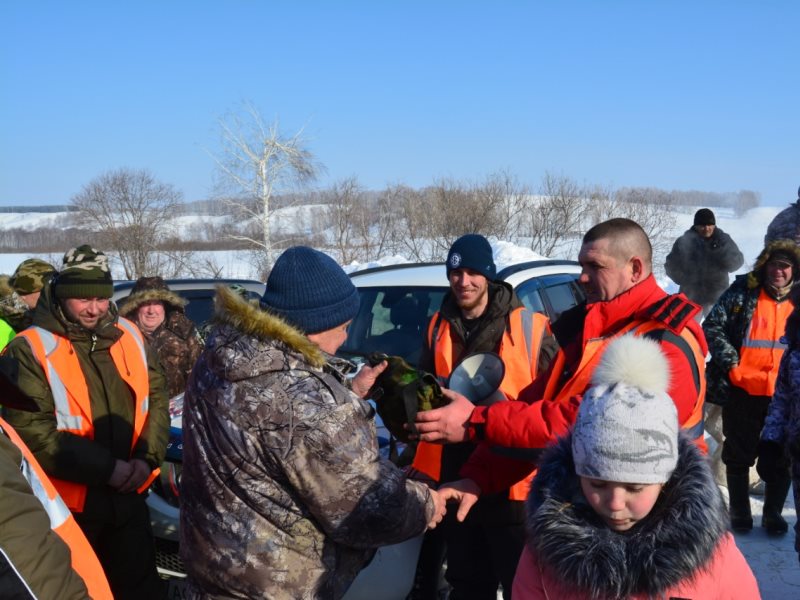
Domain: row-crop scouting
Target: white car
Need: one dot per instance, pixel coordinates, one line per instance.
(397, 302)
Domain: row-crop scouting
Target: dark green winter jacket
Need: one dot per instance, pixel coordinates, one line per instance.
(71, 457)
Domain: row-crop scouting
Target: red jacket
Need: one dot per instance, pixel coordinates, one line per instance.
(534, 423)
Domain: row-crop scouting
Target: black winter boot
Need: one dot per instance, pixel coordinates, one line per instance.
(775, 494)
(739, 495)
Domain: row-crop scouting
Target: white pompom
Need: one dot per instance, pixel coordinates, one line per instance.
(636, 361)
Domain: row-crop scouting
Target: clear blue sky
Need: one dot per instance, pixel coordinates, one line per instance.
(671, 94)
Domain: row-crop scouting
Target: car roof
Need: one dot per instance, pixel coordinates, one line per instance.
(123, 288)
(434, 274)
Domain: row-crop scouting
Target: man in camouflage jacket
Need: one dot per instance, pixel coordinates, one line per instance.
(173, 336)
(283, 493)
(786, 224)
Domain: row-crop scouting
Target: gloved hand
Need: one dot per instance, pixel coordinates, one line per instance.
(772, 463)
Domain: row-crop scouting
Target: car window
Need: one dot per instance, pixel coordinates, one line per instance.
(392, 320)
(529, 295)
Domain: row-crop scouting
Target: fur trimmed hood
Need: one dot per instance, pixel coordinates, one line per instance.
(171, 300)
(756, 277)
(250, 319)
(676, 541)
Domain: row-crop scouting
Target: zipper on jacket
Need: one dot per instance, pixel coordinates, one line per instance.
(94, 342)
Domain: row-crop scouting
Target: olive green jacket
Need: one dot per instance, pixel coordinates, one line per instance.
(75, 458)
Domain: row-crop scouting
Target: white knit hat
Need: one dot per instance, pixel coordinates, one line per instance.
(627, 425)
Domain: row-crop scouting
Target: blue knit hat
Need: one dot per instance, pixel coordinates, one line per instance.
(310, 291)
(472, 251)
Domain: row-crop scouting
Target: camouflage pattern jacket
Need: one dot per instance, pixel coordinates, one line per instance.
(177, 345)
(283, 492)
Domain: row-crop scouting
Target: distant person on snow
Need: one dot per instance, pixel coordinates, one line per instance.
(786, 224)
(701, 259)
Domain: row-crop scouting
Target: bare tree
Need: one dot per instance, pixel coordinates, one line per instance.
(129, 212)
(256, 162)
(346, 211)
(557, 215)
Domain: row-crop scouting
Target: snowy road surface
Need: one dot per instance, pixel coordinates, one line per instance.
(772, 559)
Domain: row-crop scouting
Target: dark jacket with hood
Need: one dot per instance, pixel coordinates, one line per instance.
(284, 493)
(682, 549)
(700, 266)
(71, 457)
(175, 342)
(485, 337)
(728, 322)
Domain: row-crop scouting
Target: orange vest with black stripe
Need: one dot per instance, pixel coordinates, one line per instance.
(580, 380)
(84, 560)
(519, 350)
(61, 367)
(762, 349)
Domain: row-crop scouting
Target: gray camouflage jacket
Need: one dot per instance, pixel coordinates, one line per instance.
(283, 492)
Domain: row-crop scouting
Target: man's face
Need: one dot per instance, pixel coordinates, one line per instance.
(87, 312)
(705, 231)
(150, 315)
(602, 276)
(330, 340)
(470, 290)
(30, 299)
(779, 272)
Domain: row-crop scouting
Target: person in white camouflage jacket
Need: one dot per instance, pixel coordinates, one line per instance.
(283, 492)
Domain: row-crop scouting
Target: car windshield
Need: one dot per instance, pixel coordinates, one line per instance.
(392, 320)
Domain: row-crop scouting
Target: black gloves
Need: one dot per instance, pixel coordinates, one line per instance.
(772, 463)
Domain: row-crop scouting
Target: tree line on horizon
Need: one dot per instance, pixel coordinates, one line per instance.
(264, 176)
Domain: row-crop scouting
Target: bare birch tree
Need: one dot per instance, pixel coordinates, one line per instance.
(556, 215)
(130, 213)
(255, 163)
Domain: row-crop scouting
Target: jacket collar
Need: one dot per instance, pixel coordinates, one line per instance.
(574, 545)
(251, 319)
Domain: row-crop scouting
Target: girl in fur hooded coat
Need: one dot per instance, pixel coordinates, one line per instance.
(625, 507)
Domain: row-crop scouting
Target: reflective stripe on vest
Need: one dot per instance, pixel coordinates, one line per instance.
(70, 392)
(524, 328)
(761, 350)
(63, 524)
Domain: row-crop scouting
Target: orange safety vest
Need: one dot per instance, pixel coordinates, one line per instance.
(761, 351)
(61, 366)
(581, 378)
(519, 350)
(84, 560)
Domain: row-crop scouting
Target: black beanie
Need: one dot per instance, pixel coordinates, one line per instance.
(704, 216)
(84, 274)
(310, 291)
(472, 251)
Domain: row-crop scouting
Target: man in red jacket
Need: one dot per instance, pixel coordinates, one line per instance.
(622, 296)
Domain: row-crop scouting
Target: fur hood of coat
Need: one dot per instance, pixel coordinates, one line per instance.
(171, 300)
(252, 320)
(756, 277)
(676, 540)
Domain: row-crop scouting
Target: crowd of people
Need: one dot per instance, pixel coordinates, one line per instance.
(591, 481)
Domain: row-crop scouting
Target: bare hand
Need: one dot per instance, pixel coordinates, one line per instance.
(440, 509)
(446, 424)
(366, 378)
(465, 491)
(122, 471)
(140, 471)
